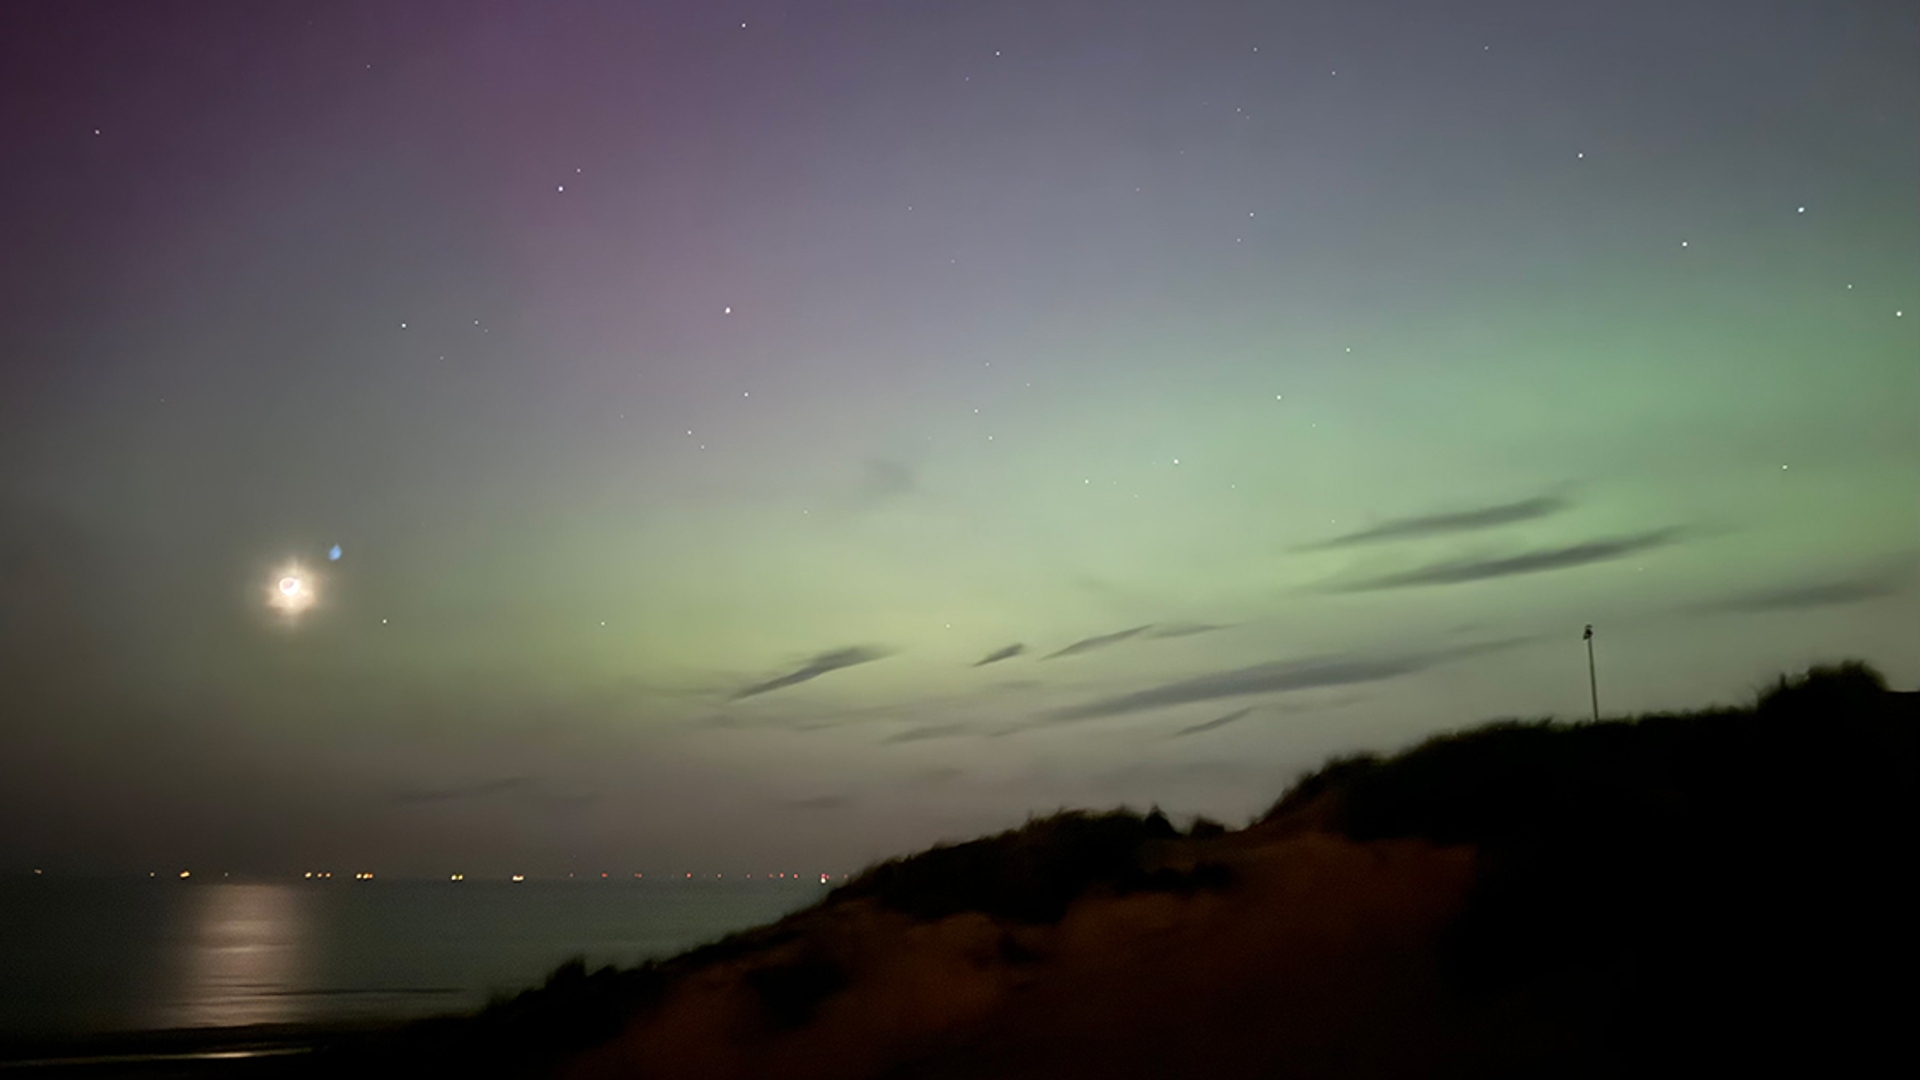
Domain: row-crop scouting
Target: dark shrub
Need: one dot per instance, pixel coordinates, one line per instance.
(790, 992)
(1029, 874)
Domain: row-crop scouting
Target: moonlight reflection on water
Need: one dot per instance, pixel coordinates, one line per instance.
(243, 958)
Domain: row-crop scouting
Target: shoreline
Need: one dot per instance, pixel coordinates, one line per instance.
(252, 1048)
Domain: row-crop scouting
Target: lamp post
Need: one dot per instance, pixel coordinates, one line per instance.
(1593, 681)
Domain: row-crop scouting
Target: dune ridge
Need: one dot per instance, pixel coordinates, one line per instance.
(1688, 892)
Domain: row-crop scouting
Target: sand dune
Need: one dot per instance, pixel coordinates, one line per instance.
(1697, 893)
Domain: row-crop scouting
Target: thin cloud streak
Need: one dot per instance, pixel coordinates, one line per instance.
(478, 790)
(1007, 653)
(1463, 571)
(1802, 597)
(1485, 517)
(1275, 677)
(820, 665)
(1180, 630)
(930, 731)
(1086, 645)
(1213, 724)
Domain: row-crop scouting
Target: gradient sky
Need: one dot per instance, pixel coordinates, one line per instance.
(771, 436)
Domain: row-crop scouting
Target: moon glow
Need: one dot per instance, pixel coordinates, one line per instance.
(291, 592)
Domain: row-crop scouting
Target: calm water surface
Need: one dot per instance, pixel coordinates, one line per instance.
(80, 957)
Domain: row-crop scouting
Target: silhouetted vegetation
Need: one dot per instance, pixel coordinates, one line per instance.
(1707, 892)
(1204, 828)
(790, 992)
(1028, 874)
(1696, 879)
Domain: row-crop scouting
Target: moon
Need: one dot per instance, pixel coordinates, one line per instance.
(291, 591)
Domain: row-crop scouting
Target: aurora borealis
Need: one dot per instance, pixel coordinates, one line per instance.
(794, 433)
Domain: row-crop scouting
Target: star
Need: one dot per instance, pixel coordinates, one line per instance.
(1683, 243)
(726, 311)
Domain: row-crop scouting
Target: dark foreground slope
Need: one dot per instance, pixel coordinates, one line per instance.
(1701, 893)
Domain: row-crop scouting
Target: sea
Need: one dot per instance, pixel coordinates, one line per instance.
(86, 957)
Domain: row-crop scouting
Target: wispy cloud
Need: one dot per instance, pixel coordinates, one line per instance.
(883, 480)
(522, 789)
(1800, 597)
(1461, 571)
(1457, 521)
(477, 790)
(820, 665)
(1217, 722)
(1176, 630)
(997, 655)
(929, 731)
(1086, 645)
(1277, 676)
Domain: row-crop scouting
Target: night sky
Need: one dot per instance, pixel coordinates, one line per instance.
(771, 436)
